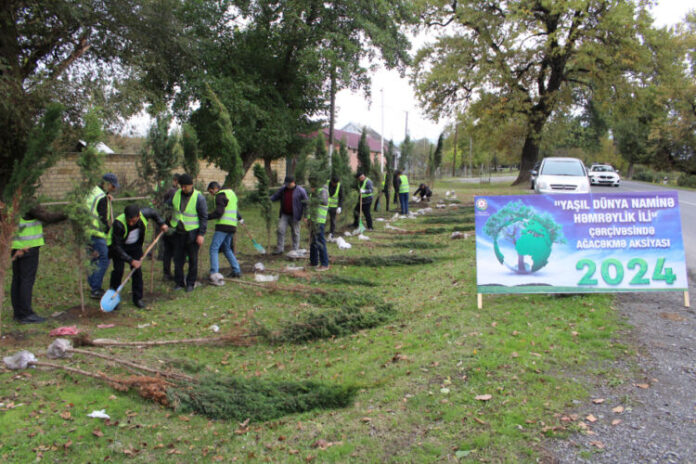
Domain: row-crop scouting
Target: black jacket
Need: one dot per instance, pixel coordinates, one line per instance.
(117, 250)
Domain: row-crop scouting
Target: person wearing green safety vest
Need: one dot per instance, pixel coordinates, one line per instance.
(319, 198)
(364, 201)
(335, 202)
(401, 186)
(226, 216)
(98, 203)
(190, 222)
(25, 261)
(125, 240)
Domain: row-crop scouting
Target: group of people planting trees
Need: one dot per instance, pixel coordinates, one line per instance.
(183, 224)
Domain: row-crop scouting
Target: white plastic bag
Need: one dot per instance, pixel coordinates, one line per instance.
(294, 268)
(265, 278)
(259, 267)
(100, 414)
(342, 244)
(296, 254)
(20, 360)
(363, 237)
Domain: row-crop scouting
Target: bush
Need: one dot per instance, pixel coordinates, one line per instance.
(644, 175)
(687, 180)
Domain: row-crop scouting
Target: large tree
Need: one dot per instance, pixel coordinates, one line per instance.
(526, 55)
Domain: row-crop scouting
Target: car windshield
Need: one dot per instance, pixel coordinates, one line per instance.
(603, 168)
(562, 168)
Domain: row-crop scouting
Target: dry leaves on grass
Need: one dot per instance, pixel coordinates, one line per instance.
(323, 444)
(590, 418)
(598, 400)
(597, 444)
(643, 386)
(485, 397)
(618, 409)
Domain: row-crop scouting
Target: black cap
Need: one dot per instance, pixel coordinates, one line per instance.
(185, 179)
(176, 177)
(334, 178)
(359, 174)
(213, 185)
(132, 211)
(289, 179)
(111, 178)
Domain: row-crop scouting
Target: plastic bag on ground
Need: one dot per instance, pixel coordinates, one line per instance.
(395, 217)
(20, 360)
(69, 330)
(347, 233)
(457, 235)
(342, 244)
(380, 219)
(265, 278)
(363, 237)
(294, 268)
(100, 414)
(440, 206)
(301, 253)
(217, 279)
(394, 228)
(59, 349)
(259, 267)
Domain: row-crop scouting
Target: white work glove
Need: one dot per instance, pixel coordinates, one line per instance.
(338, 210)
(363, 191)
(241, 221)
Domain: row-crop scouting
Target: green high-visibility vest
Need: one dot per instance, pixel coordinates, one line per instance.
(320, 215)
(30, 234)
(122, 220)
(96, 228)
(384, 181)
(229, 216)
(403, 187)
(362, 187)
(189, 217)
(333, 199)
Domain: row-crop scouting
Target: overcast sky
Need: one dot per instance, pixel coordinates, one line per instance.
(399, 99)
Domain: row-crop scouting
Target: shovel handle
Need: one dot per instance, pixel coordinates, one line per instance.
(130, 274)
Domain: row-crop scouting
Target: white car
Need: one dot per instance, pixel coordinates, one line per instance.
(562, 175)
(604, 174)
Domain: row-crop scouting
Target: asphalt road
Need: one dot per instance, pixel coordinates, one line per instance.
(687, 208)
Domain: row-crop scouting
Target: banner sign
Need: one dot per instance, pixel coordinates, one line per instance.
(573, 243)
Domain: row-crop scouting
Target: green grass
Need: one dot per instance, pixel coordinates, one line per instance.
(418, 372)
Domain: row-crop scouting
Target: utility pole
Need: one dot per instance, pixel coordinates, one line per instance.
(454, 159)
(381, 143)
(332, 109)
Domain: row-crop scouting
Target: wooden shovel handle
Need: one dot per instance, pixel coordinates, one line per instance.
(130, 274)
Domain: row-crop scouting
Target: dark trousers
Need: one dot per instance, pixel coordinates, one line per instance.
(317, 248)
(23, 278)
(136, 280)
(366, 206)
(332, 220)
(185, 248)
(168, 243)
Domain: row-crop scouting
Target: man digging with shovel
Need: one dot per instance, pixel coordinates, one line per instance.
(125, 241)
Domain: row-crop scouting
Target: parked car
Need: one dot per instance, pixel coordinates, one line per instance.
(562, 175)
(604, 174)
(533, 173)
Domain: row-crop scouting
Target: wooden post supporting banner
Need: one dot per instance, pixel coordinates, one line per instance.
(479, 298)
(686, 300)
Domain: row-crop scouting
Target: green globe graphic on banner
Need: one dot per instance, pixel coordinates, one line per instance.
(522, 238)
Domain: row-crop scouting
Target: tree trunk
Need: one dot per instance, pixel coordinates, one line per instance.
(530, 150)
(332, 109)
(269, 171)
(454, 157)
(629, 172)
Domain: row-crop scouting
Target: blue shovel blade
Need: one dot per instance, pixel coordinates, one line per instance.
(109, 300)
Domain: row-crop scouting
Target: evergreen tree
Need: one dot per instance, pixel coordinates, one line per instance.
(160, 155)
(189, 142)
(406, 152)
(437, 156)
(364, 162)
(216, 138)
(24, 179)
(320, 152)
(301, 167)
(263, 198)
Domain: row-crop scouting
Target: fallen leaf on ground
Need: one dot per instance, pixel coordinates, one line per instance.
(365, 419)
(97, 433)
(618, 409)
(616, 422)
(672, 317)
(590, 418)
(644, 386)
(597, 444)
(66, 415)
(598, 400)
(485, 397)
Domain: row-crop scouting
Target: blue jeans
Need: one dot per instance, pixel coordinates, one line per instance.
(317, 249)
(100, 264)
(222, 241)
(403, 199)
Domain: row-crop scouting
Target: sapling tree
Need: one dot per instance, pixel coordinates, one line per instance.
(364, 162)
(90, 162)
(23, 181)
(189, 144)
(158, 158)
(320, 153)
(264, 200)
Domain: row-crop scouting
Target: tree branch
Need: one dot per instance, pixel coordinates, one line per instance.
(80, 49)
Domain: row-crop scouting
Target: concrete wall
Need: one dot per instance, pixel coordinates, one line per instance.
(61, 178)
